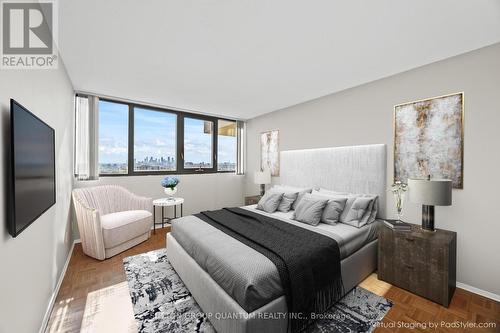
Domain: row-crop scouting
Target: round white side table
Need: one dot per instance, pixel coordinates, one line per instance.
(166, 202)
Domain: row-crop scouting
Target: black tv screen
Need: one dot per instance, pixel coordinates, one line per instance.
(33, 181)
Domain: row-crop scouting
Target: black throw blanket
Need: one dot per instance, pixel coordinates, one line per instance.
(308, 263)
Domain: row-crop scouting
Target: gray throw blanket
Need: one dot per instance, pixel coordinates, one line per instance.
(308, 263)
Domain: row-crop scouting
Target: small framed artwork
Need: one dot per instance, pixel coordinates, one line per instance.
(429, 139)
(269, 152)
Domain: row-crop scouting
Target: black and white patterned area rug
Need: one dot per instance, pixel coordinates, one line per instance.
(162, 303)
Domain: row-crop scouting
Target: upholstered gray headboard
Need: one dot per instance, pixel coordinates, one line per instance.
(355, 169)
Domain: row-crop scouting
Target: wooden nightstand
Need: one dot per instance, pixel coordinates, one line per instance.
(252, 200)
(419, 261)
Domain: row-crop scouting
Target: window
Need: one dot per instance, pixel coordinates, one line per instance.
(198, 143)
(155, 140)
(113, 138)
(125, 138)
(226, 145)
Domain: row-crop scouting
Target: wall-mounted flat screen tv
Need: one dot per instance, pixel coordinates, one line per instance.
(32, 168)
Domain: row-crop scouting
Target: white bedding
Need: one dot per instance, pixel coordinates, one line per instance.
(350, 238)
(249, 277)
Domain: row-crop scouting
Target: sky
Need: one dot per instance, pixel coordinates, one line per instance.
(197, 145)
(155, 135)
(113, 129)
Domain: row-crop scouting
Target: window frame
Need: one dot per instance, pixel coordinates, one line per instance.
(131, 136)
(128, 143)
(213, 169)
(217, 147)
(180, 141)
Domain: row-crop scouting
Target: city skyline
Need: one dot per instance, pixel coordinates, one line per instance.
(151, 163)
(155, 138)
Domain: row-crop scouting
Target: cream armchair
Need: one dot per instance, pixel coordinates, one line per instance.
(111, 219)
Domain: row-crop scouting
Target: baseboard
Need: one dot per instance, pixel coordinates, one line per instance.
(478, 291)
(56, 290)
(78, 240)
(167, 225)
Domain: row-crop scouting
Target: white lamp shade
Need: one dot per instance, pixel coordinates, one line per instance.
(434, 192)
(262, 177)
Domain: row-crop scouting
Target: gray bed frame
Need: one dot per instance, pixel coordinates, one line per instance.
(355, 169)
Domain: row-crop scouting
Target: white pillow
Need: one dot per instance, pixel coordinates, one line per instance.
(330, 192)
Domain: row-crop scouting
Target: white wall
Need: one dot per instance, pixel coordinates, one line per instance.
(364, 115)
(201, 192)
(32, 262)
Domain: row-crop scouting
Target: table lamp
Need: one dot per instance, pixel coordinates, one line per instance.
(430, 192)
(262, 178)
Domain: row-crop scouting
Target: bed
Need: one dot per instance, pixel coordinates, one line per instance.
(238, 287)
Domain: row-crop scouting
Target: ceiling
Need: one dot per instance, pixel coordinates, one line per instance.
(242, 59)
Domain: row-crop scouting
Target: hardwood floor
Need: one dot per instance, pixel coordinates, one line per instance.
(409, 313)
(416, 314)
(86, 274)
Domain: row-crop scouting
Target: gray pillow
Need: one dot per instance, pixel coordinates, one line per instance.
(301, 192)
(358, 206)
(310, 209)
(333, 209)
(369, 207)
(372, 211)
(270, 201)
(287, 201)
(348, 205)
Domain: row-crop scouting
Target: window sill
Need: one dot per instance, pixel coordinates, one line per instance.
(166, 173)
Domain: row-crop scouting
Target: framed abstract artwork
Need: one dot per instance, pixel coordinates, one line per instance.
(269, 152)
(429, 139)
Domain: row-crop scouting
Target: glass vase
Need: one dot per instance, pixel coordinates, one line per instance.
(399, 206)
(170, 192)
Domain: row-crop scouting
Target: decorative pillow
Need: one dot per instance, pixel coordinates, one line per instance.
(333, 209)
(348, 205)
(310, 209)
(371, 212)
(287, 201)
(360, 210)
(369, 207)
(301, 192)
(356, 211)
(270, 201)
